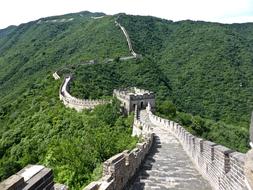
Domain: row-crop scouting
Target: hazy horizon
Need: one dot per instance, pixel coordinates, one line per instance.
(222, 11)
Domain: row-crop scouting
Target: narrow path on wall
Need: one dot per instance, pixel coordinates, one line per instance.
(167, 166)
(127, 38)
(107, 60)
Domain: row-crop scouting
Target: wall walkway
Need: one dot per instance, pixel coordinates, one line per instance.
(222, 167)
(119, 170)
(167, 166)
(128, 39)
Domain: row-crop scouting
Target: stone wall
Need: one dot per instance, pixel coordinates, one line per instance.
(121, 168)
(222, 167)
(128, 40)
(133, 97)
(72, 102)
(29, 178)
(140, 128)
(56, 76)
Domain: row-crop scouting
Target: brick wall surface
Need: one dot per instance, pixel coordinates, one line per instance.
(72, 102)
(120, 169)
(222, 167)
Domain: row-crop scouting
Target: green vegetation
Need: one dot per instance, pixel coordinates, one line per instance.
(209, 65)
(35, 127)
(42, 130)
(237, 138)
(30, 50)
(202, 74)
(101, 79)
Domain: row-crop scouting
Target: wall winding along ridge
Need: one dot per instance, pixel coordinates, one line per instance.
(128, 40)
(222, 167)
(121, 168)
(72, 102)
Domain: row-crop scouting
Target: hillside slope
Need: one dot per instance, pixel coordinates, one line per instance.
(209, 65)
(35, 126)
(30, 50)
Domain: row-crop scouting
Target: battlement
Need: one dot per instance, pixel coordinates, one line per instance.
(31, 177)
(133, 93)
(121, 168)
(132, 97)
(73, 102)
(221, 166)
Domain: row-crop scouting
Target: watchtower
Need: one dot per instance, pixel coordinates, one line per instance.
(131, 97)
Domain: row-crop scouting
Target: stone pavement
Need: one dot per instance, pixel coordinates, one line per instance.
(167, 167)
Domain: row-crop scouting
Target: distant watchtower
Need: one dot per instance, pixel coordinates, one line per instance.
(132, 97)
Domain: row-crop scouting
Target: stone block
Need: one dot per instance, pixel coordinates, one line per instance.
(40, 181)
(15, 182)
(238, 157)
(58, 186)
(222, 156)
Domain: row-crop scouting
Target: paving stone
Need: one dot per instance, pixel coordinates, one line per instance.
(167, 166)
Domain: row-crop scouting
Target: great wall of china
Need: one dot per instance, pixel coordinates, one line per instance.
(73, 102)
(222, 167)
(168, 157)
(131, 50)
(80, 104)
(121, 168)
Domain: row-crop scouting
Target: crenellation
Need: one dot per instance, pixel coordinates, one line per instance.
(31, 177)
(189, 141)
(12, 183)
(223, 155)
(73, 102)
(120, 169)
(132, 97)
(209, 148)
(221, 166)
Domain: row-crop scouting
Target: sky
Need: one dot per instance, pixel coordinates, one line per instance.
(15, 12)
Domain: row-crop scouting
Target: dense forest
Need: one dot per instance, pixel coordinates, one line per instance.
(101, 79)
(37, 128)
(201, 73)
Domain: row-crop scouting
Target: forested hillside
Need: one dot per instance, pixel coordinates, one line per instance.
(35, 126)
(202, 74)
(209, 65)
(31, 49)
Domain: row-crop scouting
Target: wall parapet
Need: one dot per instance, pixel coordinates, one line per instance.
(73, 102)
(121, 168)
(32, 177)
(131, 97)
(136, 94)
(221, 166)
